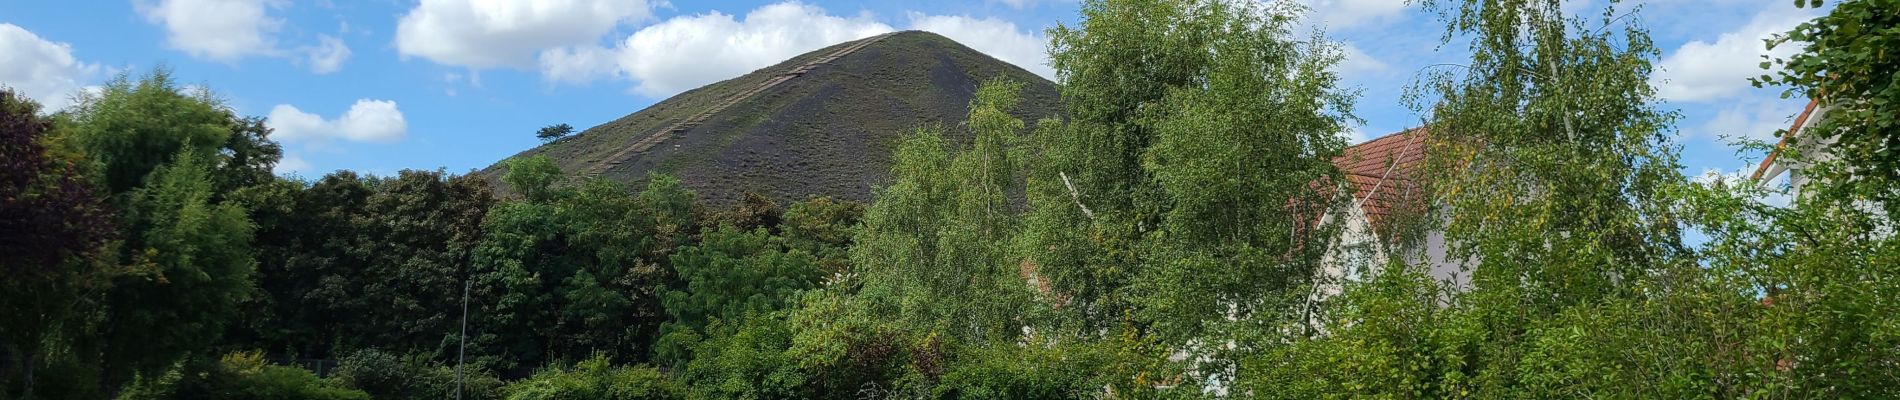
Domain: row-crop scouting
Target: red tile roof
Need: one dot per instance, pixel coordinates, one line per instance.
(1384, 173)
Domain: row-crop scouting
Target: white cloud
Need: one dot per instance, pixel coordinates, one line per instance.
(1024, 4)
(1357, 135)
(689, 51)
(1357, 62)
(1343, 14)
(292, 164)
(1701, 71)
(686, 52)
(579, 64)
(221, 30)
(39, 69)
(366, 121)
(1754, 118)
(328, 55)
(992, 36)
(507, 33)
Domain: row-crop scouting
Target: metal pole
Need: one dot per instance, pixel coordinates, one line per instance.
(462, 353)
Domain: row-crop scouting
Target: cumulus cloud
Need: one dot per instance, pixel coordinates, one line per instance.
(689, 51)
(507, 33)
(328, 55)
(580, 64)
(221, 30)
(230, 30)
(1357, 135)
(1755, 119)
(998, 38)
(1702, 71)
(377, 121)
(292, 164)
(42, 70)
(1356, 62)
(686, 52)
(1343, 14)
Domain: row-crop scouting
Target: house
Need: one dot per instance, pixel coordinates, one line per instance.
(1384, 177)
(1776, 163)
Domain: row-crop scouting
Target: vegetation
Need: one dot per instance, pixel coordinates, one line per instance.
(1153, 243)
(1846, 62)
(553, 132)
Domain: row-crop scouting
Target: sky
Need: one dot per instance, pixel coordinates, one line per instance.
(379, 86)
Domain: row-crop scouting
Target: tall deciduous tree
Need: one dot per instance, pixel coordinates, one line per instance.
(132, 127)
(163, 158)
(52, 230)
(934, 250)
(1848, 62)
(1553, 178)
(1174, 203)
(574, 270)
(190, 266)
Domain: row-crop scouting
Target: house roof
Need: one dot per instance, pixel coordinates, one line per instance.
(1383, 173)
(1769, 162)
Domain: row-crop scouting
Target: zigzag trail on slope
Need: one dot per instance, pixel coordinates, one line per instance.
(641, 146)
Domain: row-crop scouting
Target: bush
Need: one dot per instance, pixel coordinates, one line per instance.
(596, 379)
(237, 376)
(388, 376)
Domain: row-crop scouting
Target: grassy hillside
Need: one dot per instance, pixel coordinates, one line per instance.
(828, 131)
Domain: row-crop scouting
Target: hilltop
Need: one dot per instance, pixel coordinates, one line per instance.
(823, 123)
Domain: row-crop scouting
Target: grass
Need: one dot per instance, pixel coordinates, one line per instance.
(828, 132)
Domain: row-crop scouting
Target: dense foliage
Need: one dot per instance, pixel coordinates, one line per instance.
(1848, 63)
(1170, 236)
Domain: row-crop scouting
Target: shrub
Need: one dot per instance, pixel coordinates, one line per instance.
(388, 376)
(595, 378)
(237, 376)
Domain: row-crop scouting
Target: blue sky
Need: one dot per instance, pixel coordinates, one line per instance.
(384, 85)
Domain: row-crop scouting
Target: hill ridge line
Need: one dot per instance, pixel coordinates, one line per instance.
(641, 146)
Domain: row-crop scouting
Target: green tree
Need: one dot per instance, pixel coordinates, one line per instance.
(53, 230)
(553, 132)
(311, 257)
(1160, 208)
(823, 226)
(934, 250)
(185, 264)
(132, 127)
(1553, 178)
(730, 275)
(574, 270)
(189, 265)
(1847, 62)
(247, 156)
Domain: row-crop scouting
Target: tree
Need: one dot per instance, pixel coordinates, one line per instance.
(934, 250)
(1848, 64)
(1554, 181)
(823, 226)
(731, 275)
(571, 271)
(1160, 208)
(312, 260)
(190, 265)
(185, 264)
(132, 127)
(52, 231)
(553, 132)
(247, 156)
